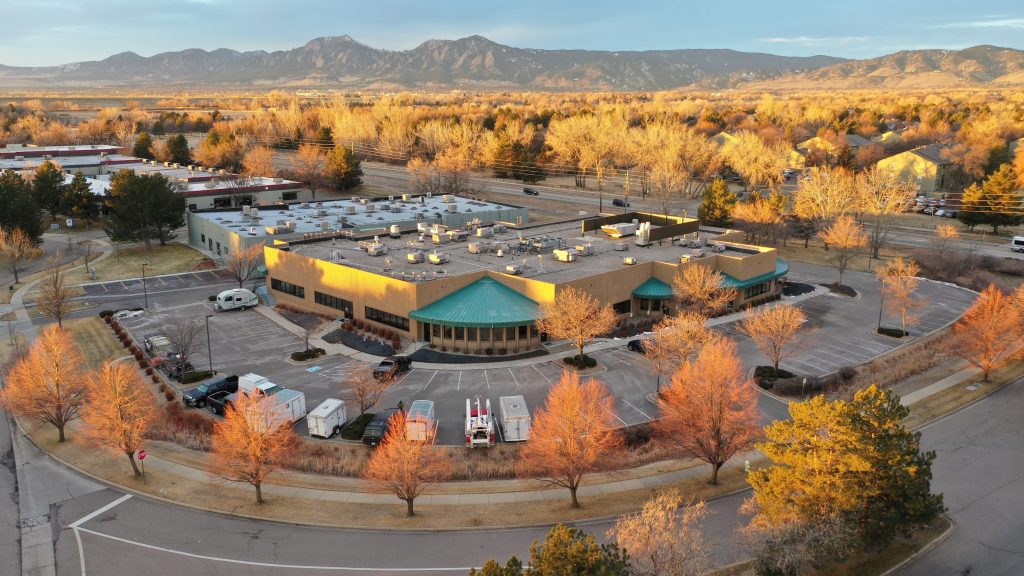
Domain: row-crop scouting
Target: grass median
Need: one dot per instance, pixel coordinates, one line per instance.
(127, 263)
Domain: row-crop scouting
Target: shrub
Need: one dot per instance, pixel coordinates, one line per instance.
(163, 387)
(489, 351)
(444, 349)
(195, 376)
(212, 297)
(847, 373)
(893, 332)
(591, 362)
(769, 373)
(502, 351)
(156, 379)
(169, 395)
(149, 370)
(570, 360)
(143, 363)
(303, 355)
(106, 315)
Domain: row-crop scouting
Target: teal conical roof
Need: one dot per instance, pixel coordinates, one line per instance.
(483, 303)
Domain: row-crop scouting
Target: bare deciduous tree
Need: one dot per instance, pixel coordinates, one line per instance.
(710, 410)
(881, 195)
(676, 339)
(241, 264)
(183, 334)
(983, 335)
(365, 389)
(945, 237)
(701, 289)
(47, 384)
(576, 316)
(405, 466)
(54, 293)
(248, 442)
(664, 537)
(118, 410)
(16, 248)
(843, 236)
(88, 251)
(259, 162)
(826, 195)
(899, 280)
(774, 330)
(572, 434)
(308, 166)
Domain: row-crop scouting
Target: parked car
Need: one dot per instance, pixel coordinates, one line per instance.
(1017, 244)
(392, 366)
(375, 431)
(196, 397)
(620, 202)
(530, 191)
(637, 345)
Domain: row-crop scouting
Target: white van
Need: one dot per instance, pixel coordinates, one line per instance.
(236, 298)
(1017, 244)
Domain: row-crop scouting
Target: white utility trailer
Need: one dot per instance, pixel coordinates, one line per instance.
(515, 418)
(327, 419)
(420, 424)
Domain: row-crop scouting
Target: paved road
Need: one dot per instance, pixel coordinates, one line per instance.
(10, 551)
(980, 469)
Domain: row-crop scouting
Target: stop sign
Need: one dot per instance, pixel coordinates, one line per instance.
(141, 455)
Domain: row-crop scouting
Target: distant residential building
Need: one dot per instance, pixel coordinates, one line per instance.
(887, 138)
(925, 164)
(1014, 145)
(826, 145)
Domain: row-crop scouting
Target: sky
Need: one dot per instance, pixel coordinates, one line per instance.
(49, 32)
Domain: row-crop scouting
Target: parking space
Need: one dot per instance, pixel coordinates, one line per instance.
(166, 282)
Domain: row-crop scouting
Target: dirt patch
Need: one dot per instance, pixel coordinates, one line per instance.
(95, 340)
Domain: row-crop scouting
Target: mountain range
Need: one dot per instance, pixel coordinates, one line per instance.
(477, 63)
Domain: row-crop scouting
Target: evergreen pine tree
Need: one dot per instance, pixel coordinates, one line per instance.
(18, 209)
(79, 200)
(177, 146)
(143, 208)
(48, 188)
(143, 146)
(716, 207)
(343, 169)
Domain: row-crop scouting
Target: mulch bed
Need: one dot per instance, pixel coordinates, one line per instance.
(841, 289)
(433, 356)
(356, 342)
(796, 289)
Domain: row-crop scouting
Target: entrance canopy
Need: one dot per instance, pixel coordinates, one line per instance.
(654, 289)
(483, 303)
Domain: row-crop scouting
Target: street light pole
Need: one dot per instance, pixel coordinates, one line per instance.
(209, 349)
(145, 293)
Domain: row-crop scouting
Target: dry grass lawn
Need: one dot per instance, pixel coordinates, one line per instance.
(95, 340)
(127, 263)
(816, 254)
(948, 400)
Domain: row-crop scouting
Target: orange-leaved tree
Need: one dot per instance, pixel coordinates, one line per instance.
(664, 537)
(576, 316)
(701, 289)
(48, 384)
(405, 466)
(774, 330)
(676, 339)
(118, 410)
(843, 237)
(899, 280)
(710, 410)
(987, 334)
(248, 443)
(572, 434)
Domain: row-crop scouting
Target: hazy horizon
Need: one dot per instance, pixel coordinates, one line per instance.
(52, 32)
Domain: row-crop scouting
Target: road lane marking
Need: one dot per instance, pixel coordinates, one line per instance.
(81, 551)
(488, 379)
(630, 404)
(514, 377)
(429, 381)
(85, 519)
(270, 564)
(541, 373)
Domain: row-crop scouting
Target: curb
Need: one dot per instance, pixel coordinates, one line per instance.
(924, 550)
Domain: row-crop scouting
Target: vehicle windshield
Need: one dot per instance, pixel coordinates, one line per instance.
(202, 388)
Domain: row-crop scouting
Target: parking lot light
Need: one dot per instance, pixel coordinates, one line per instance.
(209, 349)
(145, 293)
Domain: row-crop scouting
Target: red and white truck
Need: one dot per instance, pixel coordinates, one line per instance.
(480, 428)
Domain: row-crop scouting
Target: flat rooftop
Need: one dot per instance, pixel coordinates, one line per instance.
(22, 149)
(355, 213)
(65, 162)
(530, 249)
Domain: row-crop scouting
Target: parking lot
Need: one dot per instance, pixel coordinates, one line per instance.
(840, 333)
(164, 283)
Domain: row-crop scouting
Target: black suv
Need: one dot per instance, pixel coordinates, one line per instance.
(378, 427)
(531, 192)
(392, 366)
(197, 396)
(637, 345)
(620, 202)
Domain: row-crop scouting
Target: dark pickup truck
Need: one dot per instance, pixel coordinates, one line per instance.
(378, 427)
(218, 401)
(198, 396)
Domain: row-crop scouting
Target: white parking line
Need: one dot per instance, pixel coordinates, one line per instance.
(630, 404)
(541, 373)
(514, 377)
(85, 519)
(429, 381)
(458, 385)
(487, 378)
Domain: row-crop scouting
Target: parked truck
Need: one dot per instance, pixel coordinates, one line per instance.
(289, 405)
(197, 396)
(420, 424)
(327, 419)
(515, 418)
(479, 424)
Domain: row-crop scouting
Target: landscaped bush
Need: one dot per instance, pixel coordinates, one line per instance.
(212, 297)
(163, 387)
(769, 373)
(149, 370)
(893, 332)
(580, 363)
(502, 351)
(195, 376)
(169, 395)
(156, 379)
(847, 373)
(303, 355)
(143, 363)
(489, 351)
(106, 314)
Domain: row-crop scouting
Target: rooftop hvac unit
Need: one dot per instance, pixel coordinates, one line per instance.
(396, 209)
(453, 208)
(585, 249)
(246, 210)
(254, 212)
(719, 248)
(350, 209)
(176, 165)
(191, 167)
(565, 255)
(395, 231)
(684, 259)
(446, 198)
(377, 250)
(325, 225)
(19, 157)
(514, 269)
(405, 197)
(278, 180)
(422, 227)
(252, 230)
(391, 198)
(629, 260)
(414, 257)
(210, 184)
(698, 253)
(272, 230)
(167, 164)
(103, 154)
(620, 247)
(477, 247)
(500, 228)
(438, 259)
(439, 238)
(428, 196)
(484, 232)
(336, 256)
(362, 200)
(643, 234)
(370, 208)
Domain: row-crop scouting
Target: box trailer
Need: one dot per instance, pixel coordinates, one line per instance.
(420, 424)
(515, 418)
(290, 405)
(327, 419)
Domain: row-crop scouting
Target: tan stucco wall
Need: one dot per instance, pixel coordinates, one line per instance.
(913, 167)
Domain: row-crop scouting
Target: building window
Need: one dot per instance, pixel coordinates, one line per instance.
(758, 289)
(510, 333)
(447, 333)
(623, 307)
(522, 332)
(471, 334)
(287, 288)
(218, 248)
(645, 304)
(222, 202)
(460, 333)
(333, 302)
(203, 238)
(485, 333)
(287, 196)
(387, 318)
(533, 331)
(435, 330)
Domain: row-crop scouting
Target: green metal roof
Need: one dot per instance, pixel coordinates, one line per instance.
(653, 288)
(781, 269)
(483, 303)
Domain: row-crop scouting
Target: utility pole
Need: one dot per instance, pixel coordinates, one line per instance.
(625, 205)
(145, 293)
(209, 349)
